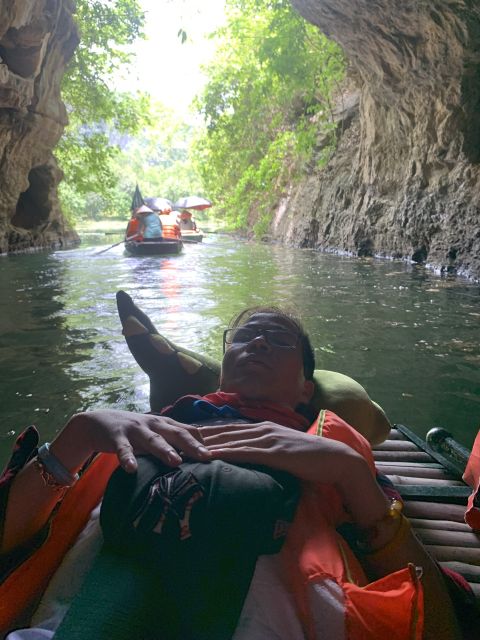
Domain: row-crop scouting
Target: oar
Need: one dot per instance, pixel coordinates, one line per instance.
(115, 245)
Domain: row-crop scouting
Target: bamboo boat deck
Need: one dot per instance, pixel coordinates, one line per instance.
(435, 500)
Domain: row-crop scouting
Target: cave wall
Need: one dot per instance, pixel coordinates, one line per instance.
(37, 39)
(404, 181)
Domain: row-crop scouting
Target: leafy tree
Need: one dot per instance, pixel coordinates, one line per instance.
(85, 152)
(159, 159)
(267, 96)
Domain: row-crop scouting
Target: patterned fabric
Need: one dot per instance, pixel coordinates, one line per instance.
(189, 408)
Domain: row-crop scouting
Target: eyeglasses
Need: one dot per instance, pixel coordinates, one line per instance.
(274, 337)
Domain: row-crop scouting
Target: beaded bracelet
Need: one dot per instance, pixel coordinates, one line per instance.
(53, 472)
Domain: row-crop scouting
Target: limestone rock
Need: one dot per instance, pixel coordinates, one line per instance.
(37, 40)
(405, 178)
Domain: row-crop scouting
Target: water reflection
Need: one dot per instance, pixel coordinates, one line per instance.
(408, 336)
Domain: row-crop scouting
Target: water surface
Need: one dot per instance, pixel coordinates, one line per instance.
(408, 336)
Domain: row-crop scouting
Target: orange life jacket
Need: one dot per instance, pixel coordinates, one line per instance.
(22, 589)
(315, 554)
(132, 228)
(170, 227)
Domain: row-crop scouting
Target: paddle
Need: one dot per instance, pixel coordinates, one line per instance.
(115, 245)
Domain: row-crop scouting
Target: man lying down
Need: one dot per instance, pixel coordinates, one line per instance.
(195, 519)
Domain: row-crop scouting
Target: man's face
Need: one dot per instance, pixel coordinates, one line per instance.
(260, 370)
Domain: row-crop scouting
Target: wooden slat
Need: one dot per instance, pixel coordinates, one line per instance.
(434, 493)
(396, 445)
(434, 510)
(444, 553)
(432, 482)
(402, 456)
(395, 434)
(417, 471)
(439, 525)
(431, 485)
(412, 465)
(470, 572)
(464, 539)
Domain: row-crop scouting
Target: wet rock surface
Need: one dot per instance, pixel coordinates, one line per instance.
(37, 40)
(404, 180)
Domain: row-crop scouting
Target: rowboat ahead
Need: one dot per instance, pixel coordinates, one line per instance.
(160, 247)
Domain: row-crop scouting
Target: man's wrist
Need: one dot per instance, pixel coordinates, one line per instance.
(364, 499)
(383, 531)
(389, 539)
(52, 470)
(71, 446)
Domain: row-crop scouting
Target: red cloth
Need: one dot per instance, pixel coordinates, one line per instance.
(259, 410)
(472, 478)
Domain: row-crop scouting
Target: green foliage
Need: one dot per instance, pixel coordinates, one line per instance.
(268, 96)
(107, 28)
(159, 159)
(86, 151)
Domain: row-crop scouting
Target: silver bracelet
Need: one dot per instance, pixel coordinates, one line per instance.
(54, 468)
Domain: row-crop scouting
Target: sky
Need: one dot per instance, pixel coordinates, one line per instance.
(166, 68)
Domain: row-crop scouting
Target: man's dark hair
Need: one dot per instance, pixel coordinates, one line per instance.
(307, 350)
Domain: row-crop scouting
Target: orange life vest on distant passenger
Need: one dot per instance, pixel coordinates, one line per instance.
(171, 229)
(132, 228)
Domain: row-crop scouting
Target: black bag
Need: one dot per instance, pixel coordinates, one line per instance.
(199, 528)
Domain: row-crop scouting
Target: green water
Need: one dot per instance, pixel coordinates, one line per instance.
(410, 337)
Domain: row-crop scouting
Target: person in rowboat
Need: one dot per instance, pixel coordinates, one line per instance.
(258, 421)
(150, 226)
(186, 221)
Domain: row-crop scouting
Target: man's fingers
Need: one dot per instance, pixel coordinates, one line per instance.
(232, 434)
(220, 429)
(180, 427)
(240, 438)
(159, 447)
(248, 444)
(125, 456)
(179, 438)
(239, 454)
